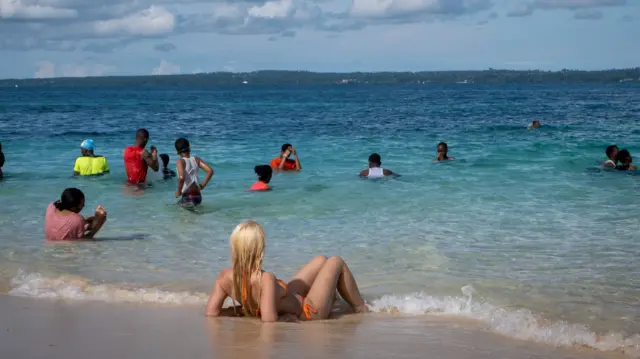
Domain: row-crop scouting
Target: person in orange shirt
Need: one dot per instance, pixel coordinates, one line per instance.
(264, 174)
(284, 163)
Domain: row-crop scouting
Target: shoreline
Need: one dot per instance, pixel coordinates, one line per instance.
(36, 328)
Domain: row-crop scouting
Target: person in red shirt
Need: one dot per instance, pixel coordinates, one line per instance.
(284, 163)
(264, 174)
(137, 159)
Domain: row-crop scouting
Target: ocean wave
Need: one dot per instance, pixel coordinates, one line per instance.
(512, 322)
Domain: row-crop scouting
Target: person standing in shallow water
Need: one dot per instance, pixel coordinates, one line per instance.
(137, 159)
(90, 164)
(375, 170)
(443, 150)
(64, 222)
(284, 163)
(188, 185)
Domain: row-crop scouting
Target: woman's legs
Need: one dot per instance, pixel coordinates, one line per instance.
(334, 274)
(302, 281)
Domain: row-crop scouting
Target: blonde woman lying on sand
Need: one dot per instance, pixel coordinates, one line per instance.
(309, 295)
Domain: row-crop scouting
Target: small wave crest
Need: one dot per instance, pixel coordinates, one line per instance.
(512, 322)
(515, 323)
(35, 285)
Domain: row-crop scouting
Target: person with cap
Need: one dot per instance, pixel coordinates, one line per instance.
(90, 164)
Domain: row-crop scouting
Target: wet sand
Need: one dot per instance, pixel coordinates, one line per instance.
(33, 329)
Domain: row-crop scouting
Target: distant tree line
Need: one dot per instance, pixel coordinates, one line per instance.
(269, 77)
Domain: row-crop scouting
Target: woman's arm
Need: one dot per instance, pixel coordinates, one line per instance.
(268, 300)
(218, 295)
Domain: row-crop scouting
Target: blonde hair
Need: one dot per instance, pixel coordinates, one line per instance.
(247, 253)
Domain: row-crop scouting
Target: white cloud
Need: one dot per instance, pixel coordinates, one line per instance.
(155, 20)
(279, 9)
(373, 9)
(46, 69)
(166, 68)
(576, 4)
(21, 9)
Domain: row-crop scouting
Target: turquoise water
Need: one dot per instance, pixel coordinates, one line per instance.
(523, 231)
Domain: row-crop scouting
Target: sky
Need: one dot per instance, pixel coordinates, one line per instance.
(53, 38)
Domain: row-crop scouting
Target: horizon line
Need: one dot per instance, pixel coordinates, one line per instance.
(490, 69)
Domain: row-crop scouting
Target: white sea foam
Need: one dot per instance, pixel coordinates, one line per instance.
(515, 323)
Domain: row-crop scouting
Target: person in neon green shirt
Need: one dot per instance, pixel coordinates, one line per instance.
(89, 164)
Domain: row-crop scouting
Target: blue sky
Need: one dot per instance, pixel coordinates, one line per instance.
(44, 38)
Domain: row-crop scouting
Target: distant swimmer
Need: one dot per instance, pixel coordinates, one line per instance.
(534, 124)
(166, 172)
(612, 155)
(264, 173)
(188, 186)
(90, 164)
(375, 170)
(284, 163)
(1, 160)
(64, 222)
(137, 159)
(443, 150)
(624, 157)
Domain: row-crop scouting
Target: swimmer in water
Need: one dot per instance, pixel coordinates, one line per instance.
(443, 150)
(284, 163)
(309, 295)
(624, 157)
(1, 160)
(264, 173)
(166, 172)
(612, 155)
(188, 186)
(374, 170)
(534, 124)
(90, 164)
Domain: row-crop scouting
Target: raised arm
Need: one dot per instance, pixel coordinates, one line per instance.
(205, 167)
(295, 156)
(219, 294)
(151, 158)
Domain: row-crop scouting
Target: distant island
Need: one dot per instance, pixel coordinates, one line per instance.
(272, 77)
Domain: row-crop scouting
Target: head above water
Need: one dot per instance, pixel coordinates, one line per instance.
(182, 146)
(248, 242)
(624, 157)
(165, 160)
(264, 173)
(72, 199)
(612, 152)
(535, 124)
(286, 147)
(442, 148)
(142, 137)
(87, 147)
(375, 160)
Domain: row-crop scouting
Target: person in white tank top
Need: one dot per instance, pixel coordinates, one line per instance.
(375, 170)
(612, 155)
(189, 187)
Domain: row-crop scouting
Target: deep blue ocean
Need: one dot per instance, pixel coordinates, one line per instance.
(524, 231)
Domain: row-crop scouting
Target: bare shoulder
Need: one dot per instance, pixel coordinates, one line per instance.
(364, 173)
(268, 279)
(387, 172)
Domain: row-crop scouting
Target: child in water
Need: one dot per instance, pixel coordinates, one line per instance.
(443, 150)
(264, 173)
(166, 172)
(624, 157)
(187, 166)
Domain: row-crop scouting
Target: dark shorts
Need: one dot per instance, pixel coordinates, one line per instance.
(190, 200)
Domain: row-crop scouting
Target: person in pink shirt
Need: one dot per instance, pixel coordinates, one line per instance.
(64, 222)
(264, 174)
